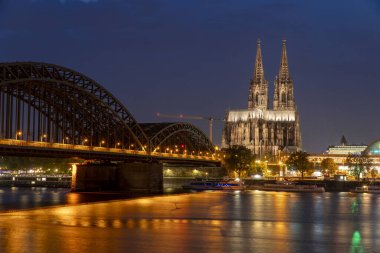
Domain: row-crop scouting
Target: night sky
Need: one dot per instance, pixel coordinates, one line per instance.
(196, 57)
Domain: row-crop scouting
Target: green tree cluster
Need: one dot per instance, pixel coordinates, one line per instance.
(329, 166)
(239, 160)
(359, 164)
(47, 165)
(258, 168)
(299, 161)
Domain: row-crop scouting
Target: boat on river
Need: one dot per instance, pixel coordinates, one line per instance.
(288, 186)
(367, 189)
(215, 184)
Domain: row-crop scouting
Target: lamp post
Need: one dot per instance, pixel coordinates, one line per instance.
(101, 143)
(19, 133)
(43, 136)
(282, 174)
(84, 141)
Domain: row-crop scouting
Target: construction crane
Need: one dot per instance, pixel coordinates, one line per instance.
(182, 116)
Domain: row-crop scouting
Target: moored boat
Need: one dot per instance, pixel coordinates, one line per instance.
(214, 184)
(291, 187)
(366, 189)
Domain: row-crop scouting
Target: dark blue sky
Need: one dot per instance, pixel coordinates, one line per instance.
(196, 57)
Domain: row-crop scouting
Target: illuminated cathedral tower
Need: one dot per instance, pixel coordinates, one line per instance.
(283, 85)
(258, 89)
(267, 132)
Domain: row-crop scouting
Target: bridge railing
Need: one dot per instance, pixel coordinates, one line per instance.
(63, 146)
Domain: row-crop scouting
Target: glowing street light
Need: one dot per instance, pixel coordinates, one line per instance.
(85, 140)
(43, 136)
(101, 143)
(67, 140)
(19, 133)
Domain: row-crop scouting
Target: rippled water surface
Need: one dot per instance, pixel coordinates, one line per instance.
(250, 221)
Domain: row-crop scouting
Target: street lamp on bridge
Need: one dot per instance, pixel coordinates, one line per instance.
(67, 140)
(18, 134)
(85, 140)
(101, 143)
(43, 136)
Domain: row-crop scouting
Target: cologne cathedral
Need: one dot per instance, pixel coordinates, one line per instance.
(267, 132)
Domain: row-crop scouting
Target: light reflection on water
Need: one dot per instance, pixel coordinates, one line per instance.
(15, 198)
(250, 221)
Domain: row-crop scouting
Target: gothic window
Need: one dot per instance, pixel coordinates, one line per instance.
(283, 98)
(260, 134)
(285, 137)
(291, 137)
(275, 135)
(251, 133)
(257, 98)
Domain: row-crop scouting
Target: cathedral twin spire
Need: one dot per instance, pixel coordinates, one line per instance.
(258, 92)
(258, 72)
(284, 68)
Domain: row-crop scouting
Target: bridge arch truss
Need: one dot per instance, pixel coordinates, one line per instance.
(177, 137)
(50, 103)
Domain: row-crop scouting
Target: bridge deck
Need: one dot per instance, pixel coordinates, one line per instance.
(20, 147)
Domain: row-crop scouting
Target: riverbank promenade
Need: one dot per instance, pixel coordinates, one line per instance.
(250, 221)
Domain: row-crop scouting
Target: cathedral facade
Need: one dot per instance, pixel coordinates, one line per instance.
(267, 132)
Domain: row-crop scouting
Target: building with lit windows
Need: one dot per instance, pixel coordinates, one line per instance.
(340, 152)
(344, 148)
(373, 149)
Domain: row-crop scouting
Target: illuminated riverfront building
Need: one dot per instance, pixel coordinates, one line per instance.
(340, 152)
(344, 148)
(373, 149)
(267, 132)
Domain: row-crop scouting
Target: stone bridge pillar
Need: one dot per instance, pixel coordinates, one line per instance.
(122, 177)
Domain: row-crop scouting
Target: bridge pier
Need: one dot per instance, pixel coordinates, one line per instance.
(122, 177)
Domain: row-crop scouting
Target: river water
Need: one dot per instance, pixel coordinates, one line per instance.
(249, 221)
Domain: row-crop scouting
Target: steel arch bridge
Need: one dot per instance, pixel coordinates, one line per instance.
(47, 103)
(184, 136)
